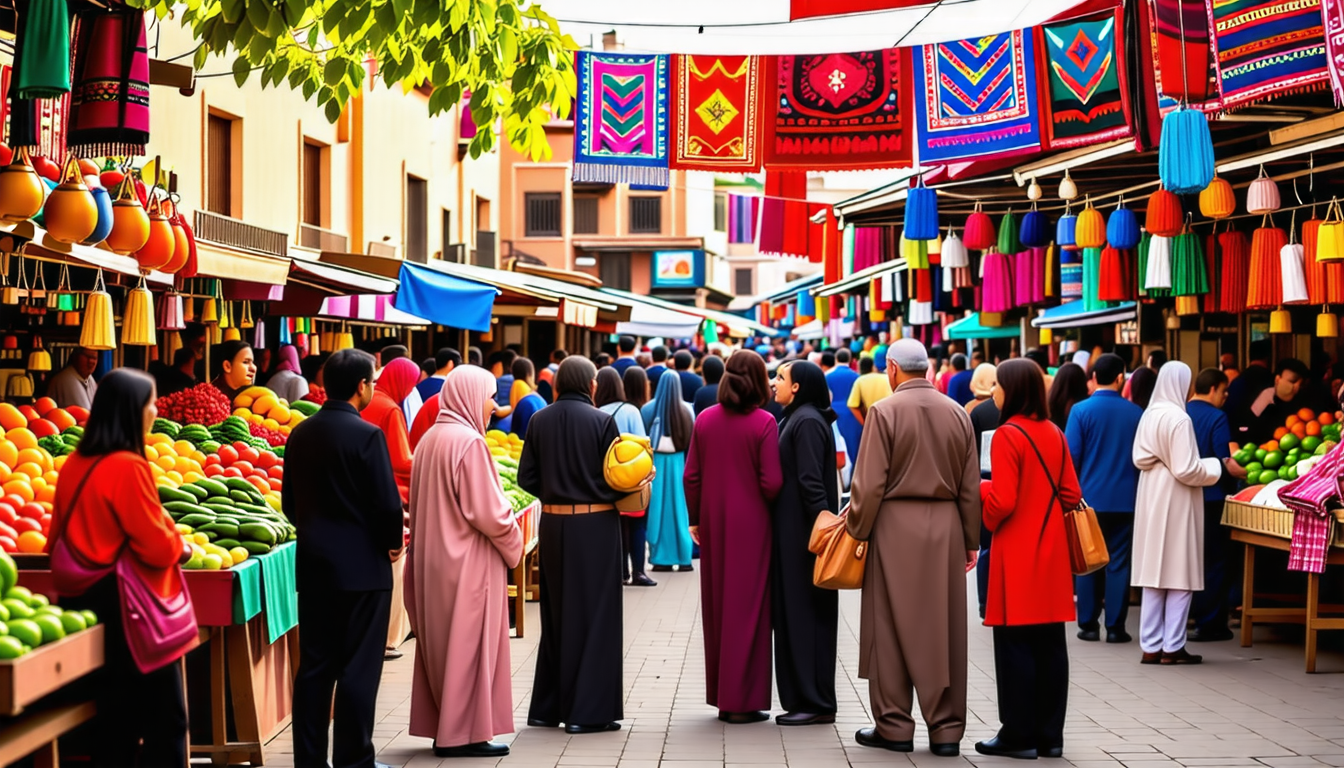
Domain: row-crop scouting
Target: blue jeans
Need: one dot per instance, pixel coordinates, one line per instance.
(982, 568)
(1109, 586)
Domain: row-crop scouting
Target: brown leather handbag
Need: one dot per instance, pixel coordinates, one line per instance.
(840, 557)
(1087, 544)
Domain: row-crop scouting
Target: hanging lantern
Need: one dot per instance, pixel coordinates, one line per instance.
(954, 255)
(1164, 214)
(997, 287)
(1090, 229)
(170, 313)
(1034, 190)
(1327, 325)
(1157, 273)
(1217, 200)
(1116, 281)
(1265, 288)
(1066, 231)
(921, 213)
(259, 335)
(137, 327)
(979, 232)
(314, 344)
(21, 190)
(345, 340)
(99, 329)
(215, 333)
(157, 251)
(1189, 276)
(130, 224)
(1008, 242)
(39, 360)
(174, 343)
(1263, 194)
(1122, 228)
(1293, 273)
(915, 253)
(1234, 271)
(1280, 321)
(1035, 229)
(246, 321)
(1330, 238)
(233, 334)
(1185, 151)
(226, 315)
(71, 213)
(1046, 337)
(935, 248)
(1315, 270)
(210, 312)
(327, 339)
(181, 245)
(1067, 189)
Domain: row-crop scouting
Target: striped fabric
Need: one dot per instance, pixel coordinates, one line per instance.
(1307, 497)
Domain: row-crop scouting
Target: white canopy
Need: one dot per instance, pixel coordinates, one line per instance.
(647, 320)
(763, 26)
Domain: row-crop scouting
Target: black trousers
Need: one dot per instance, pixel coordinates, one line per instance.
(634, 543)
(341, 647)
(152, 732)
(1031, 664)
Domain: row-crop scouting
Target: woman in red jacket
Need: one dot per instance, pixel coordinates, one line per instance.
(1030, 596)
(107, 502)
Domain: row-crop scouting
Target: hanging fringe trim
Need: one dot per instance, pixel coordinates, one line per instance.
(600, 173)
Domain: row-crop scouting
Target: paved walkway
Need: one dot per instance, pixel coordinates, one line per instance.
(1243, 707)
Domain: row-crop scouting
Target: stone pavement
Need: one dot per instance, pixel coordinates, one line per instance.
(1243, 707)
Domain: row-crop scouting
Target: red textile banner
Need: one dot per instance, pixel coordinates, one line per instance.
(811, 9)
(784, 214)
(717, 104)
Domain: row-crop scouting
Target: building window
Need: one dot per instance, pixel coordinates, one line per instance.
(541, 212)
(614, 270)
(219, 158)
(742, 282)
(417, 219)
(646, 215)
(720, 212)
(585, 215)
(314, 176)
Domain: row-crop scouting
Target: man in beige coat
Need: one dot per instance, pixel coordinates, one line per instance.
(916, 500)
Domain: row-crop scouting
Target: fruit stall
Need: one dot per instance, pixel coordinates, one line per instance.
(506, 448)
(1260, 518)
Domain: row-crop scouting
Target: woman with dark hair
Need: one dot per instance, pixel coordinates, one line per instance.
(805, 617)
(1069, 389)
(528, 402)
(669, 420)
(1141, 385)
(311, 367)
(610, 398)
(1030, 596)
(106, 508)
(237, 368)
(732, 476)
(636, 383)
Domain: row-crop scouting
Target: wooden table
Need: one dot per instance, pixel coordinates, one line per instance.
(1308, 615)
(253, 681)
(27, 727)
(521, 590)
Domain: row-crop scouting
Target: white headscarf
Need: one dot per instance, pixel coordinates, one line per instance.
(1173, 386)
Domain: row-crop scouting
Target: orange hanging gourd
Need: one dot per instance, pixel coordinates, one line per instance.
(71, 214)
(181, 245)
(1217, 200)
(1164, 218)
(1090, 231)
(21, 191)
(158, 249)
(130, 223)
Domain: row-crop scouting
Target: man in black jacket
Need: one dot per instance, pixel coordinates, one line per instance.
(341, 496)
(578, 674)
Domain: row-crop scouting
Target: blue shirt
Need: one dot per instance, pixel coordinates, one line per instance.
(523, 413)
(841, 380)
(959, 387)
(690, 384)
(653, 372)
(629, 419)
(623, 364)
(430, 388)
(502, 386)
(1212, 435)
(1101, 434)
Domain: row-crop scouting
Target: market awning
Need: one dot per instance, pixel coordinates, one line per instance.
(445, 299)
(969, 327)
(809, 331)
(368, 307)
(42, 245)
(860, 279)
(1072, 315)
(339, 280)
(737, 325)
(216, 261)
(649, 321)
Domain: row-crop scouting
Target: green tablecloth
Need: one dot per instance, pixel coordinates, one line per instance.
(246, 591)
(279, 590)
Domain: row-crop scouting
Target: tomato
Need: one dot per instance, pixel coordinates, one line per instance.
(233, 472)
(46, 524)
(227, 455)
(88, 167)
(213, 470)
(276, 484)
(266, 459)
(27, 524)
(6, 155)
(276, 473)
(29, 412)
(248, 454)
(239, 445)
(8, 530)
(7, 513)
(212, 459)
(245, 466)
(15, 500)
(32, 511)
(8, 544)
(261, 485)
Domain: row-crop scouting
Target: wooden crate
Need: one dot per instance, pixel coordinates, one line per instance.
(1268, 521)
(44, 669)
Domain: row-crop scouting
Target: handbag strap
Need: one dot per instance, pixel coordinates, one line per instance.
(1054, 487)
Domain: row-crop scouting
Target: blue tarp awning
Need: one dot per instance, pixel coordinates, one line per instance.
(1072, 315)
(445, 299)
(969, 327)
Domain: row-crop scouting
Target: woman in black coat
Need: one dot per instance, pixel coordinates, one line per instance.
(806, 617)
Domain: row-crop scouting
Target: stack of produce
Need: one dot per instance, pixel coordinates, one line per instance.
(226, 520)
(270, 416)
(209, 439)
(202, 404)
(42, 418)
(1304, 434)
(173, 463)
(27, 620)
(504, 444)
(508, 478)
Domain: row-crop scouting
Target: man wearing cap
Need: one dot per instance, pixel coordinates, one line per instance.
(916, 501)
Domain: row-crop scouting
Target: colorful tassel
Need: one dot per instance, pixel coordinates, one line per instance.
(1263, 194)
(1185, 152)
(1265, 288)
(921, 213)
(1008, 241)
(1092, 280)
(1066, 231)
(1090, 231)
(1035, 229)
(1189, 276)
(1294, 277)
(1217, 200)
(1234, 271)
(997, 295)
(954, 255)
(1116, 279)
(1164, 214)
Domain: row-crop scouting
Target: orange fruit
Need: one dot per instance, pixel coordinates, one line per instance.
(9, 453)
(166, 462)
(58, 462)
(30, 469)
(1293, 419)
(36, 456)
(81, 414)
(51, 477)
(61, 418)
(5, 472)
(1306, 414)
(1299, 429)
(19, 486)
(32, 542)
(1272, 445)
(1280, 433)
(38, 485)
(174, 476)
(11, 418)
(47, 494)
(182, 464)
(1326, 419)
(22, 437)
(45, 405)
(1313, 427)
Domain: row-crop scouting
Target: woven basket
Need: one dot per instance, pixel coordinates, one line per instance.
(1268, 521)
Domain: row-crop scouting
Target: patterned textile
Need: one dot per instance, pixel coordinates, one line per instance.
(1269, 48)
(809, 9)
(620, 123)
(717, 103)
(841, 111)
(979, 98)
(1177, 25)
(743, 213)
(1087, 98)
(1308, 497)
(784, 226)
(1332, 13)
(109, 103)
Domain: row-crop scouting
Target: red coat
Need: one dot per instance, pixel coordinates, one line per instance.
(1030, 580)
(385, 413)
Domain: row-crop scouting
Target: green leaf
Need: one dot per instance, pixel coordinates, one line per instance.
(296, 78)
(241, 69)
(309, 88)
(333, 110)
(232, 10)
(198, 58)
(402, 8)
(259, 14)
(334, 71)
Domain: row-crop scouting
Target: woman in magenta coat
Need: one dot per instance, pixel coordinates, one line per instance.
(1030, 596)
(732, 474)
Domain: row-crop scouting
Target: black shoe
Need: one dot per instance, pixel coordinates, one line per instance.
(1090, 635)
(804, 718)
(999, 748)
(533, 722)
(868, 737)
(945, 750)
(1049, 751)
(600, 728)
(1209, 636)
(1180, 657)
(640, 580)
(661, 569)
(479, 749)
(1116, 636)
(742, 718)
(685, 568)
(1151, 658)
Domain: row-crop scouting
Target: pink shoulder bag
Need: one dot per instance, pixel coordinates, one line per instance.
(159, 630)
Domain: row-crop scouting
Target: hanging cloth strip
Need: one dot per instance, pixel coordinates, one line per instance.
(42, 63)
(109, 104)
(1308, 497)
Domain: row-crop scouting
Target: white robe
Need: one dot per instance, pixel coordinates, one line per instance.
(1169, 509)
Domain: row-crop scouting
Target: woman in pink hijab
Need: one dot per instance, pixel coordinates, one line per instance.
(287, 381)
(464, 539)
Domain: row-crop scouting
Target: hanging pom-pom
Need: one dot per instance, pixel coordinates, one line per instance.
(1234, 271)
(1035, 229)
(954, 255)
(1008, 242)
(1116, 279)
(979, 233)
(1217, 200)
(998, 283)
(1265, 289)
(1090, 231)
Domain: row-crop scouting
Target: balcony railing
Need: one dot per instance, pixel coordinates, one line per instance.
(322, 239)
(222, 230)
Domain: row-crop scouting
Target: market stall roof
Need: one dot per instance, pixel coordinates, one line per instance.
(42, 245)
(969, 327)
(1072, 315)
(339, 280)
(861, 278)
(444, 298)
(214, 260)
(809, 331)
(737, 325)
(541, 287)
(373, 308)
(821, 26)
(785, 292)
(649, 321)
